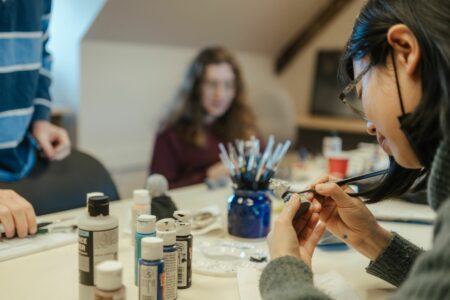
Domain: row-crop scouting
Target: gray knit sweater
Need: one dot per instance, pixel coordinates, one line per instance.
(419, 275)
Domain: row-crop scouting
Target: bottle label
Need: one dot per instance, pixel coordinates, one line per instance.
(93, 248)
(182, 262)
(170, 266)
(150, 283)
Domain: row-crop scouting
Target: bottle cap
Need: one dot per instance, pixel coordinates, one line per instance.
(141, 196)
(183, 228)
(109, 275)
(98, 205)
(182, 215)
(145, 224)
(165, 224)
(169, 237)
(92, 194)
(152, 248)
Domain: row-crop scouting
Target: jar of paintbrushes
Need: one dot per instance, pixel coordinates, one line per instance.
(249, 207)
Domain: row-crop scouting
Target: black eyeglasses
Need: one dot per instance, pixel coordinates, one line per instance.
(343, 96)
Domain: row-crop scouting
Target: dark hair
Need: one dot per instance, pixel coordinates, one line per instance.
(430, 121)
(188, 116)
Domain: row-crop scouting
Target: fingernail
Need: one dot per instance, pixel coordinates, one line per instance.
(309, 196)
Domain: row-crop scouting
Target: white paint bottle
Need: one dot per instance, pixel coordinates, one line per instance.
(98, 237)
(141, 206)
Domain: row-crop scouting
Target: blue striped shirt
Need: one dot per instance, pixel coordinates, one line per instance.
(24, 82)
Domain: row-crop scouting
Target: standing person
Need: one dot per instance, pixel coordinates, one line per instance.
(25, 106)
(399, 57)
(211, 108)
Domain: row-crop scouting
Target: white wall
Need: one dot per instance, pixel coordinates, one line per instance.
(299, 76)
(125, 90)
(68, 23)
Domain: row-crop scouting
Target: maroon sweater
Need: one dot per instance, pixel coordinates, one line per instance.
(183, 163)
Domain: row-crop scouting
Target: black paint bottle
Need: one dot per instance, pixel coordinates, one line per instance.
(184, 245)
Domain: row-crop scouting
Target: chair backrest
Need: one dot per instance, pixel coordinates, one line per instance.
(62, 185)
(276, 114)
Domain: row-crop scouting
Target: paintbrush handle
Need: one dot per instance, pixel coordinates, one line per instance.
(361, 177)
(350, 180)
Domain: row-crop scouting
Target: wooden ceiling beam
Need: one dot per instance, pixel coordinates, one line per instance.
(308, 32)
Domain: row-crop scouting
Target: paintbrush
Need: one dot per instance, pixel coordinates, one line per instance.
(43, 226)
(282, 190)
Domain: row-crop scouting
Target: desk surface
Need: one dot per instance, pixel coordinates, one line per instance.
(53, 274)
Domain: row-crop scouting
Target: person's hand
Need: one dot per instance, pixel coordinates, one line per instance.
(217, 172)
(53, 140)
(296, 237)
(16, 215)
(348, 218)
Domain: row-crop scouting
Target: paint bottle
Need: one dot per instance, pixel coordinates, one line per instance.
(151, 269)
(184, 248)
(141, 205)
(145, 227)
(109, 281)
(98, 236)
(165, 229)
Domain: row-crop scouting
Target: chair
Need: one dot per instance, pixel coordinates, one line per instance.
(62, 185)
(276, 114)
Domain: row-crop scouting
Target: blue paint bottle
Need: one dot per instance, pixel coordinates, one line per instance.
(145, 227)
(165, 229)
(151, 269)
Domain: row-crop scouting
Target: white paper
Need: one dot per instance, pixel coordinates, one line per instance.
(397, 210)
(12, 248)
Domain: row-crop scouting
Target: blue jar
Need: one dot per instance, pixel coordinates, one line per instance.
(249, 213)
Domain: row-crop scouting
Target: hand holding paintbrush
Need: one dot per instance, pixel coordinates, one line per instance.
(282, 189)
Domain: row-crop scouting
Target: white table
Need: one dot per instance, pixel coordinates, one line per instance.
(53, 274)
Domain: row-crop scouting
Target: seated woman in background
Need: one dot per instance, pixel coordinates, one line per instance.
(210, 109)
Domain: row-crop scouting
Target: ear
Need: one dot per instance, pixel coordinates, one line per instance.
(406, 48)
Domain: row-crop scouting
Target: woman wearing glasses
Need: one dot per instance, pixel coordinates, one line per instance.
(399, 57)
(210, 108)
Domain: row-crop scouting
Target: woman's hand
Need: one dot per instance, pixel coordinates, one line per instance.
(217, 171)
(349, 219)
(296, 237)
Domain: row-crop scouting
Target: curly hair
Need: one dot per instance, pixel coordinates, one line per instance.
(188, 115)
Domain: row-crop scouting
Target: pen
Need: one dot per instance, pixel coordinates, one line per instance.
(62, 228)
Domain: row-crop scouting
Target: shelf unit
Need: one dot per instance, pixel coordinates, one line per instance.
(332, 124)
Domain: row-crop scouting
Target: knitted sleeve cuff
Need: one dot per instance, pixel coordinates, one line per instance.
(395, 261)
(288, 278)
